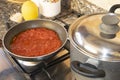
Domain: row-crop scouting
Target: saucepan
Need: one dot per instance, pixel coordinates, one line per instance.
(95, 46)
(15, 30)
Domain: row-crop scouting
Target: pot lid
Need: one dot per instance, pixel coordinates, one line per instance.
(85, 35)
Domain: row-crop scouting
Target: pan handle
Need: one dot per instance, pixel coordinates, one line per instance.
(0, 43)
(87, 70)
(8, 25)
(114, 7)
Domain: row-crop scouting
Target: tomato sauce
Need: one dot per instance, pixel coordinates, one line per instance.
(35, 42)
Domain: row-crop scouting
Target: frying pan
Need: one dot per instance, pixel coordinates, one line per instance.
(13, 31)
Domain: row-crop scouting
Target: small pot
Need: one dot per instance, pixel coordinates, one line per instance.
(95, 46)
(13, 31)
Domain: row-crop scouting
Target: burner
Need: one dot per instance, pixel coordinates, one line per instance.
(57, 68)
(29, 67)
(47, 68)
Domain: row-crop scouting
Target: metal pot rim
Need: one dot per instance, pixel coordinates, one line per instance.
(36, 57)
(90, 40)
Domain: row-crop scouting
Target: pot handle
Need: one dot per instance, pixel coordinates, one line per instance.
(114, 7)
(87, 70)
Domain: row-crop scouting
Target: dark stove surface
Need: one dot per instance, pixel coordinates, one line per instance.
(60, 71)
(54, 70)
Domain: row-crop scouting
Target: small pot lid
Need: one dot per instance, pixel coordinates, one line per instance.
(85, 35)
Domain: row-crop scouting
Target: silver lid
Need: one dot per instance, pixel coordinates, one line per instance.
(84, 34)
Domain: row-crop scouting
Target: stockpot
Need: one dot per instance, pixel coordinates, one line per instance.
(95, 46)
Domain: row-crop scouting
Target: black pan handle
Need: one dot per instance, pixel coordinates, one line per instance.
(0, 43)
(8, 25)
(87, 70)
(114, 7)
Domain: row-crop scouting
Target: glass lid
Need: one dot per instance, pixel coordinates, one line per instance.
(86, 35)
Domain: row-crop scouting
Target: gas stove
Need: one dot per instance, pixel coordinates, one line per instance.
(57, 68)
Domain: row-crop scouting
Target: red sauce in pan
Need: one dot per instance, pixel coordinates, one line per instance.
(35, 42)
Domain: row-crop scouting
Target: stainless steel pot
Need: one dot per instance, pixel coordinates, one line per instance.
(95, 46)
(61, 31)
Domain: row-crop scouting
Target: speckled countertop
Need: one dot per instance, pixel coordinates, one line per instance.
(8, 8)
(85, 7)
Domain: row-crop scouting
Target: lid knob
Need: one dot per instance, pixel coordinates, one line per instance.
(109, 26)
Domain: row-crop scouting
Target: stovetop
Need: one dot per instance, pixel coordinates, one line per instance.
(55, 69)
(59, 70)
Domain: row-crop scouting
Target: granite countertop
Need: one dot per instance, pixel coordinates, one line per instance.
(85, 7)
(8, 8)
